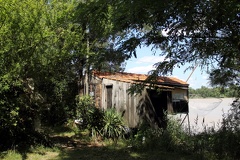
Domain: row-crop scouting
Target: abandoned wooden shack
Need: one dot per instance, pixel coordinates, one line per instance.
(167, 95)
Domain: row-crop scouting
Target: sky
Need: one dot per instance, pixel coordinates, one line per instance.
(146, 59)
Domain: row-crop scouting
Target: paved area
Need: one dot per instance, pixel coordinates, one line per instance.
(206, 112)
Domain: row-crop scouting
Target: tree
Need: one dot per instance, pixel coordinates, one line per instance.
(37, 73)
(95, 19)
(196, 32)
(20, 38)
(44, 48)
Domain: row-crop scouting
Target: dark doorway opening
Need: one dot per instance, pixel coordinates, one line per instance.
(161, 101)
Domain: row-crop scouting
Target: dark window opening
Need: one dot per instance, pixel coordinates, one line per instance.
(109, 96)
(180, 106)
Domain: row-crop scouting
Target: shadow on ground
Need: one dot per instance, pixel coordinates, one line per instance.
(78, 149)
(74, 149)
(96, 153)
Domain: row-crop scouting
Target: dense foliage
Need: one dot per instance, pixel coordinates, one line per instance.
(106, 124)
(89, 116)
(45, 47)
(28, 85)
(205, 32)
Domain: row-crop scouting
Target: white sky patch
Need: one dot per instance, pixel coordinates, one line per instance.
(205, 77)
(150, 59)
(141, 69)
(165, 32)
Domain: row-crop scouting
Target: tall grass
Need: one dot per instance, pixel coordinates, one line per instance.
(211, 143)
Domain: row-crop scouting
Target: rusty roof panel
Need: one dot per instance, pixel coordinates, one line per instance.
(135, 78)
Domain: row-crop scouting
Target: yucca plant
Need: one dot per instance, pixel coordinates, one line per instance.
(114, 126)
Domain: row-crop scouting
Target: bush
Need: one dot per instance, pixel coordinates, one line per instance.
(92, 117)
(114, 126)
(108, 124)
(231, 120)
(223, 143)
(173, 138)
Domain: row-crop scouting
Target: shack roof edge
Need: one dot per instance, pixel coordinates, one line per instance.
(136, 78)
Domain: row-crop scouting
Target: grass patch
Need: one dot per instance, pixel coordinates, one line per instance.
(85, 149)
(170, 144)
(96, 152)
(10, 155)
(36, 153)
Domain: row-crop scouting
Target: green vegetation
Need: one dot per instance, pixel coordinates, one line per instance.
(114, 126)
(47, 47)
(91, 117)
(45, 50)
(216, 92)
(147, 143)
(108, 124)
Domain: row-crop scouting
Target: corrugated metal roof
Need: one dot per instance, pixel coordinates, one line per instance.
(137, 78)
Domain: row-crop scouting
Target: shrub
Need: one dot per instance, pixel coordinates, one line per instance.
(145, 136)
(231, 120)
(109, 124)
(92, 117)
(174, 137)
(114, 126)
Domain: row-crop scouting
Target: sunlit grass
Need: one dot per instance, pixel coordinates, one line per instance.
(36, 153)
(45, 156)
(10, 155)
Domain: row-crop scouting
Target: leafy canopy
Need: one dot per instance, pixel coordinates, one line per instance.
(202, 32)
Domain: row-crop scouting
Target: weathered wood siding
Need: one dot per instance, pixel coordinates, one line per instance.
(133, 107)
(124, 103)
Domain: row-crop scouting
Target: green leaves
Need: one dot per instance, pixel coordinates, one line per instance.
(36, 62)
(113, 125)
(109, 123)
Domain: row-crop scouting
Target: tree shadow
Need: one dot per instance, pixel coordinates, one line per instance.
(96, 153)
(78, 147)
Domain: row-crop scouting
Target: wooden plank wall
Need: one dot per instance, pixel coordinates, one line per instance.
(121, 100)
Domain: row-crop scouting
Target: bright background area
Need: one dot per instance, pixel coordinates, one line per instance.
(146, 59)
(207, 112)
(202, 112)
